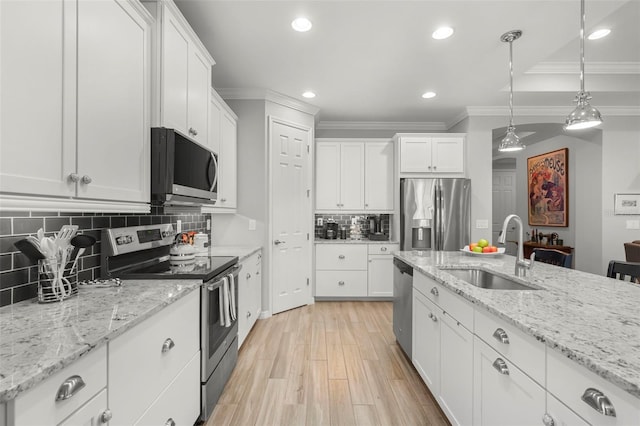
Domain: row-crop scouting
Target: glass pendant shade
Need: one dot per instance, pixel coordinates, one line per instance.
(511, 141)
(584, 116)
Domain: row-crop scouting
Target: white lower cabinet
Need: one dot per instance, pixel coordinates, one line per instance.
(503, 394)
(144, 361)
(380, 270)
(249, 295)
(559, 414)
(426, 341)
(93, 413)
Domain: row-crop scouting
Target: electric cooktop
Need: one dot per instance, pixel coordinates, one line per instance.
(204, 268)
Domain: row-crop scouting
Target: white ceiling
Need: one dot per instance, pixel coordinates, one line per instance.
(370, 61)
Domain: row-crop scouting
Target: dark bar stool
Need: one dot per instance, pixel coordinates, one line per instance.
(621, 270)
(553, 257)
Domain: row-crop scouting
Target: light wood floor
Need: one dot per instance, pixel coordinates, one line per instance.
(331, 363)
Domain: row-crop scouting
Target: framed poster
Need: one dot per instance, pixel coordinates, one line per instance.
(547, 178)
(627, 204)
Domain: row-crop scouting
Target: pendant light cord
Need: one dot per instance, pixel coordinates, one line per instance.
(511, 82)
(582, 20)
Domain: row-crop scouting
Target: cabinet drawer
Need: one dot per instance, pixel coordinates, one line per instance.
(341, 256)
(180, 402)
(341, 283)
(568, 381)
(140, 366)
(383, 248)
(38, 405)
(449, 302)
(521, 349)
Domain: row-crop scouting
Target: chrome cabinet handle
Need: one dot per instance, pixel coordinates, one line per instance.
(86, 179)
(340, 282)
(341, 256)
(248, 275)
(547, 420)
(434, 291)
(222, 200)
(69, 387)
(434, 167)
(278, 242)
(170, 422)
(248, 314)
(74, 177)
(193, 131)
(106, 416)
(383, 249)
(433, 317)
(167, 345)
(501, 336)
(599, 402)
(501, 366)
(366, 205)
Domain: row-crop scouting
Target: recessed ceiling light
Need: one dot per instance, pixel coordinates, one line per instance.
(442, 33)
(309, 94)
(429, 95)
(599, 34)
(301, 24)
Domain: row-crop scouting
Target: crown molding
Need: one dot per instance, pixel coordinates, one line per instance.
(593, 68)
(267, 95)
(543, 111)
(382, 125)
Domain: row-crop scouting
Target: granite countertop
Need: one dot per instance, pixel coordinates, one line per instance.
(349, 241)
(591, 319)
(242, 252)
(37, 340)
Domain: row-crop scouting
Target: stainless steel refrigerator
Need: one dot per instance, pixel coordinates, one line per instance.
(435, 214)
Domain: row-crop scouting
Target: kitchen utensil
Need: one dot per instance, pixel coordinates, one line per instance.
(29, 249)
(63, 243)
(181, 251)
(80, 243)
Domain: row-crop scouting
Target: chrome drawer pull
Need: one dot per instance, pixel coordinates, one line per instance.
(170, 422)
(167, 345)
(433, 317)
(383, 249)
(69, 388)
(501, 366)
(248, 275)
(341, 256)
(547, 420)
(106, 416)
(501, 336)
(599, 402)
(434, 291)
(340, 282)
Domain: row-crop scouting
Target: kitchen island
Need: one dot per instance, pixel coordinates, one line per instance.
(591, 320)
(38, 340)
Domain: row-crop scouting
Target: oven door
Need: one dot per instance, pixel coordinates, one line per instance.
(215, 336)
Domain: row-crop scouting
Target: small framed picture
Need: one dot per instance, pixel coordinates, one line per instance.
(627, 204)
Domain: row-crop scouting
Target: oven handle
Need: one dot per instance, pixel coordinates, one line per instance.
(216, 284)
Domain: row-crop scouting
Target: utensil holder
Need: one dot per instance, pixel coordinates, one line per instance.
(51, 275)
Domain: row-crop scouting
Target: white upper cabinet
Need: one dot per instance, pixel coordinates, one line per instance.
(182, 74)
(354, 175)
(431, 154)
(65, 131)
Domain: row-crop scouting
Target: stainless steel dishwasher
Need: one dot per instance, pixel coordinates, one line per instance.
(403, 304)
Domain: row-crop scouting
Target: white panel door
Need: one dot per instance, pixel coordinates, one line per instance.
(380, 276)
(175, 75)
(447, 155)
(290, 215)
(327, 176)
(352, 176)
(113, 109)
(198, 96)
(37, 86)
(504, 204)
(378, 176)
(415, 154)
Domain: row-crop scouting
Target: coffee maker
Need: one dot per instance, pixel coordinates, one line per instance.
(330, 230)
(375, 229)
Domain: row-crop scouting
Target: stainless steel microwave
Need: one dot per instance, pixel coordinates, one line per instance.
(183, 172)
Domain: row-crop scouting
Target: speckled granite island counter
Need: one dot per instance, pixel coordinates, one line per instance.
(590, 319)
(37, 340)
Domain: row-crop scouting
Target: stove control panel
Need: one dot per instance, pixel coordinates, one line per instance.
(135, 238)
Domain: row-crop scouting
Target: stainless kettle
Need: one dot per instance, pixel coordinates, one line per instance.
(181, 251)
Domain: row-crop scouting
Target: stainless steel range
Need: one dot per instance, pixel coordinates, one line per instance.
(143, 252)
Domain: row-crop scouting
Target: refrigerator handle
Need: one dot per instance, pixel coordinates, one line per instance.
(438, 223)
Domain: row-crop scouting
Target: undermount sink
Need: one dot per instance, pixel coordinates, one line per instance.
(488, 280)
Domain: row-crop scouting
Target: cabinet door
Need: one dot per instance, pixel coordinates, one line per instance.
(378, 176)
(448, 155)
(244, 300)
(198, 90)
(175, 75)
(37, 147)
(561, 414)
(352, 176)
(415, 155)
(426, 341)
(91, 414)
(227, 162)
(256, 293)
(327, 176)
(456, 369)
(503, 394)
(215, 117)
(380, 276)
(113, 109)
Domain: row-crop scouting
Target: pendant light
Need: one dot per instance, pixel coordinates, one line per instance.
(511, 141)
(584, 116)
